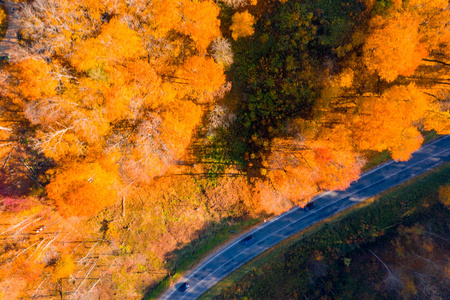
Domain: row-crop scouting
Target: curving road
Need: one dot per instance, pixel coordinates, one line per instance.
(233, 255)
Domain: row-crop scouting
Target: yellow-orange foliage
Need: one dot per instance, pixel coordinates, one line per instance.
(180, 120)
(242, 25)
(324, 161)
(114, 44)
(165, 16)
(337, 163)
(35, 79)
(432, 17)
(393, 46)
(63, 267)
(444, 195)
(83, 188)
(271, 200)
(387, 122)
(437, 120)
(131, 87)
(160, 140)
(201, 22)
(28, 269)
(408, 141)
(203, 76)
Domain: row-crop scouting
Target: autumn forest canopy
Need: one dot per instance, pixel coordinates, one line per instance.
(197, 111)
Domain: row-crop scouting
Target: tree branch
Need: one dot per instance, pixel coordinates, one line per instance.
(436, 61)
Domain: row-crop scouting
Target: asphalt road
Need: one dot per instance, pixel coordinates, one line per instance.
(233, 255)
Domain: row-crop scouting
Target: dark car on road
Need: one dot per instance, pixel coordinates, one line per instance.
(248, 240)
(184, 287)
(309, 206)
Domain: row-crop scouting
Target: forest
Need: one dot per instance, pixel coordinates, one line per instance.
(134, 130)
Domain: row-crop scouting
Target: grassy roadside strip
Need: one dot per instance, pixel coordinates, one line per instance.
(333, 238)
(195, 252)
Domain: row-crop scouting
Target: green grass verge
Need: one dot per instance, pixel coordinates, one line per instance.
(281, 270)
(194, 252)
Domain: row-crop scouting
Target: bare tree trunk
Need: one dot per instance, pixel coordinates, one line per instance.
(123, 206)
(37, 289)
(92, 267)
(379, 259)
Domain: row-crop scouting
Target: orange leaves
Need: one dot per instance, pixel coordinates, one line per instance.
(35, 79)
(180, 119)
(386, 122)
(335, 162)
(438, 120)
(408, 141)
(427, 4)
(272, 200)
(242, 25)
(131, 87)
(438, 114)
(28, 269)
(393, 47)
(295, 182)
(83, 189)
(203, 76)
(196, 19)
(165, 16)
(444, 195)
(116, 43)
(201, 22)
(160, 140)
(2, 16)
(95, 8)
(134, 79)
(64, 267)
(298, 169)
(121, 42)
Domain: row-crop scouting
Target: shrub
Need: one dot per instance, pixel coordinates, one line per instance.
(221, 51)
(242, 25)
